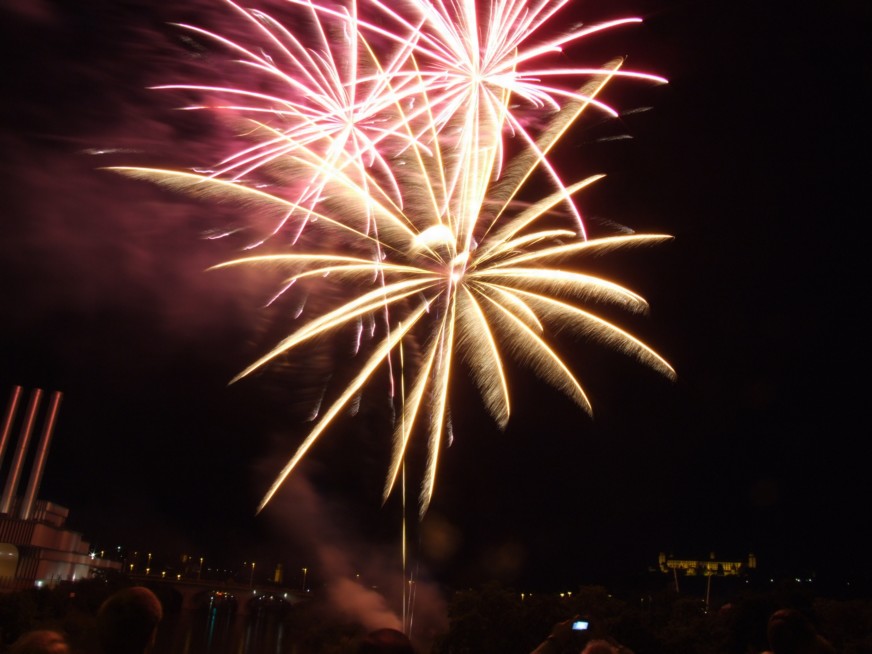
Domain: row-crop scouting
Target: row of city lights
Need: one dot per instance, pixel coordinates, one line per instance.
(131, 567)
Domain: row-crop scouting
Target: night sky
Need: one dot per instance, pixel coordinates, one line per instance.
(751, 157)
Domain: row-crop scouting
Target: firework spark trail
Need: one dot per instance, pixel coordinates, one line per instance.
(328, 109)
(399, 170)
(471, 76)
(349, 116)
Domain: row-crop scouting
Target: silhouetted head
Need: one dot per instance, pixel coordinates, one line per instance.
(792, 632)
(42, 641)
(127, 621)
(599, 647)
(385, 641)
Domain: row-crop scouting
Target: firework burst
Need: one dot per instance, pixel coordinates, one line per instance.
(395, 161)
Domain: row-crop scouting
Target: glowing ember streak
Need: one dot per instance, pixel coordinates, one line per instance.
(390, 147)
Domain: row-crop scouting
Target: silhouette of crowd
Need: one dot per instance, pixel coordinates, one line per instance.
(788, 631)
(126, 623)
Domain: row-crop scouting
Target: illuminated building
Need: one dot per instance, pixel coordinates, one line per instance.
(35, 548)
(706, 568)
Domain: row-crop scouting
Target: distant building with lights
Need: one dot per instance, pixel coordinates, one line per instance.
(711, 567)
(35, 548)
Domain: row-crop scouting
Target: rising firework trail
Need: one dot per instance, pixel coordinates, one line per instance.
(391, 152)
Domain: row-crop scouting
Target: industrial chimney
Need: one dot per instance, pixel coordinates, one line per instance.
(13, 474)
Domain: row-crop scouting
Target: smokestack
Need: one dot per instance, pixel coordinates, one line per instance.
(39, 461)
(20, 451)
(11, 408)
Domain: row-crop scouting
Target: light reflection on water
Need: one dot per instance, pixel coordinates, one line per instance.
(221, 630)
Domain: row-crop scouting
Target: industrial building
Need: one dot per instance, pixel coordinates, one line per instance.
(35, 547)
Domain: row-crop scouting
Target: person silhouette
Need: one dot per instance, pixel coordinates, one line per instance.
(40, 641)
(561, 640)
(127, 621)
(792, 632)
(385, 641)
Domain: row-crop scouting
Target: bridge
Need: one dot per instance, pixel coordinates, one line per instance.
(196, 592)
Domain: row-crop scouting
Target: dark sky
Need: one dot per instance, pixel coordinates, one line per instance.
(751, 157)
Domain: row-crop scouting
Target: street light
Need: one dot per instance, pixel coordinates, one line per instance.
(305, 570)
